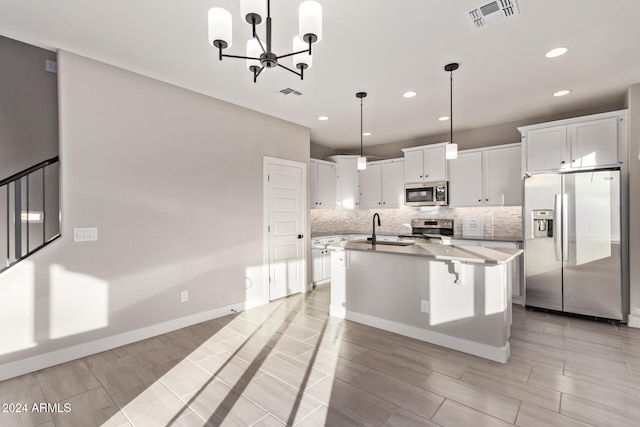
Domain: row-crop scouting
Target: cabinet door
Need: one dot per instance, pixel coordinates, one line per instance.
(546, 149)
(393, 185)
(594, 143)
(414, 166)
(465, 185)
(347, 184)
(313, 186)
(326, 186)
(502, 176)
(370, 191)
(435, 164)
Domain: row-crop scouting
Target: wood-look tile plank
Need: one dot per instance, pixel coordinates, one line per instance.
(597, 414)
(403, 418)
(602, 375)
(415, 399)
(534, 416)
(433, 361)
(334, 365)
(329, 416)
(388, 364)
(586, 390)
(154, 405)
(488, 402)
(352, 401)
(67, 380)
(453, 414)
(122, 375)
(521, 390)
(219, 404)
(231, 370)
(24, 415)
(286, 403)
(294, 372)
(91, 408)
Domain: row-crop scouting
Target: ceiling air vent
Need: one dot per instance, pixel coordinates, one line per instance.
(287, 91)
(492, 12)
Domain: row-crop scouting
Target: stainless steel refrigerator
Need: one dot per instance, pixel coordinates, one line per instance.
(572, 231)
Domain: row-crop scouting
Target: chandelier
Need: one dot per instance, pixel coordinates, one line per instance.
(259, 52)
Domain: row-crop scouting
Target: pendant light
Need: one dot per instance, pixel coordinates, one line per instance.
(451, 149)
(362, 160)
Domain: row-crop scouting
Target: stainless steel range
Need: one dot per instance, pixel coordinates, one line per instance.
(430, 230)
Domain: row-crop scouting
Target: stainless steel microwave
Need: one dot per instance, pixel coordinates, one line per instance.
(426, 194)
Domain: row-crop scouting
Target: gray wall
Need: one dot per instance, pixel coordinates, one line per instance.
(505, 133)
(28, 107)
(173, 182)
(633, 100)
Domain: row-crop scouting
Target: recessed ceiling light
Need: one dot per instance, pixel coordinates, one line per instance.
(323, 118)
(366, 133)
(559, 51)
(443, 118)
(562, 93)
(409, 94)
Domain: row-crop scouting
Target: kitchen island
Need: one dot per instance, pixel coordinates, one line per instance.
(458, 297)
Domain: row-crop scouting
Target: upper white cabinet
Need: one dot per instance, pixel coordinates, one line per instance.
(347, 180)
(426, 163)
(323, 184)
(486, 177)
(583, 142)
(382, 184)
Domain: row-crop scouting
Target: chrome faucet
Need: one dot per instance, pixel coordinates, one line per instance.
(373, 234)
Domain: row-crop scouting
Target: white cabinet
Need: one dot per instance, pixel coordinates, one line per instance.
(382, 184)
(583, 142)
(347, 182)
(486, 177)
(321, 258)
(323, 184)
(465, 184)
(426, 163)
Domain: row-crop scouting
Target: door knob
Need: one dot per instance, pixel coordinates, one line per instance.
(300, 236)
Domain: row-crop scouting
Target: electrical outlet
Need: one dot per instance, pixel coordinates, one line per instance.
(424, 306)
(184, 296)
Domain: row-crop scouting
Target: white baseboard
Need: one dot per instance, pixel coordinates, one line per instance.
(41, 361)
(633, 321)
(497, 354)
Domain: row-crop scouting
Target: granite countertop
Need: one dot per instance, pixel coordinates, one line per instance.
(513, 239)
(469, 254)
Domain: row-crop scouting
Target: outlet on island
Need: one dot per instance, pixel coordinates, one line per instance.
(424, 306)
(184, 296)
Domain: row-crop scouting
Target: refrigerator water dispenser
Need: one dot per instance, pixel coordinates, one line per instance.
(542, 223)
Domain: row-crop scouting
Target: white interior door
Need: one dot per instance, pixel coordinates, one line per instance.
(286, 226)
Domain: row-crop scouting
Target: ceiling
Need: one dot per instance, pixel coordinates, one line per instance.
(381, 47)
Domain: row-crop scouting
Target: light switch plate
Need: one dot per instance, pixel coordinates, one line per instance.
(89, 234)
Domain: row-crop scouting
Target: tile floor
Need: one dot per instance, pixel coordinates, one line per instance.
(290, 363)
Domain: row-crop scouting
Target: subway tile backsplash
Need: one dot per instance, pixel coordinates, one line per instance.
(497, 221)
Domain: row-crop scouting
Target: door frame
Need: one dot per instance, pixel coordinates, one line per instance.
(266, 163)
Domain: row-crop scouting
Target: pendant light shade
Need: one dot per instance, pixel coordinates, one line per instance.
(253, 51)
(310, 21)
(451, 151)
(362, 160)
(220, 27)
(304, 60)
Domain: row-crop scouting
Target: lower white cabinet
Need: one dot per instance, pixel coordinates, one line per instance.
(321, 258)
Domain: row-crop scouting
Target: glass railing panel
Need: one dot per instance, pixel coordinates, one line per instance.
(34, 215)
(51, 201)
(4, 228)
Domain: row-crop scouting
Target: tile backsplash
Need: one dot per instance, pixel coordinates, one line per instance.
(496, 221)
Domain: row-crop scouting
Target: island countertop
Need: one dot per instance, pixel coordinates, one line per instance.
(469, 254)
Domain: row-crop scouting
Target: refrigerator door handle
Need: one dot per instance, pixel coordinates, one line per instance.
(557, 214)
(565, 228)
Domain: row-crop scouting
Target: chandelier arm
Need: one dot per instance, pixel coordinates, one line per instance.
(256, 73)
(289, 69)
(291, 54)
(238, 56)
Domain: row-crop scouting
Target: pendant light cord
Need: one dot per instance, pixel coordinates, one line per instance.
(361, 127)
(451, 106)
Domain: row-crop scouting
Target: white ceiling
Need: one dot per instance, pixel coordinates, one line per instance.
(382, 47)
